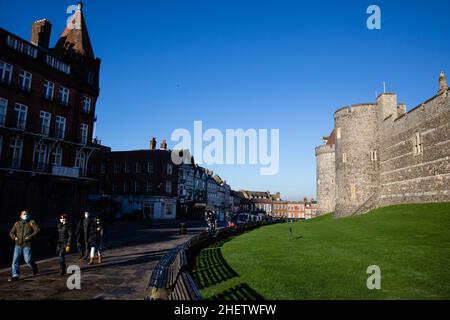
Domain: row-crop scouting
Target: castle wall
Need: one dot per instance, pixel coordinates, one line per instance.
(407, 177)
(326, 178)
(357, 177)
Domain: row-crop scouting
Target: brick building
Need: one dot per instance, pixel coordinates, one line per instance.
(47, 115)
(142, 183)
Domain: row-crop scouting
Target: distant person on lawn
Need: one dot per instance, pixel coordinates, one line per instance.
(85, 228)
(64, 242)
(23, 233)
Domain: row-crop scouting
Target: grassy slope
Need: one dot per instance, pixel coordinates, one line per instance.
(328, 258)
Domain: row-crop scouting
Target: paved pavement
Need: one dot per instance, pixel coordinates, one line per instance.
(134, 250)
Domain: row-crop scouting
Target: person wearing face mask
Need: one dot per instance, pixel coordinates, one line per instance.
(85, 228)
(97, 242)
(64, 242)
(23, 233)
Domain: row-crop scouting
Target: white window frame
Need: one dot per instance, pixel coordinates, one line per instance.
(16, 144)
(45, 122)
(40, 156)
(84, 133)
(64, 95)
(25, 80)
(148, 186)
(57, 156)
(80, 161)
(5, 68)
(49, 89)
(3, 110)
(150, 167)
(169, 169)
(21, 111)
(87, 102)
(60, 127)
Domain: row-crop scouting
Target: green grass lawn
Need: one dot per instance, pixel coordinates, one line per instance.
(327, 258)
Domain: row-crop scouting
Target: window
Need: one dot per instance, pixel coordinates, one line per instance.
(57, 156)
(338, 133)
(21, 46)
(25, 80)
(84, 133)
(5, 72)
(418, 150)
(40, 156)
(21, 115)
(150, 167)
(168, 186)
(80, 162)
(373, 156)
(137, 187)
(353, 191)
(344, 158)
(169, 169)
(55, 63)
(148, 186)
(60, 127)
(3, 109)
(45, 118)
(126, 167)
(138, 167)
(86, 105)
(90, 78)
(49, 90)
(64, 96)
(16, 152)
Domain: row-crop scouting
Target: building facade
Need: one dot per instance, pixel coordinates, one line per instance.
(143, 183)
(48, 99)
(384, 155)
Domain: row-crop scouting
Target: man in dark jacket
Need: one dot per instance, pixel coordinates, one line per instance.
(85, 229)
(23, 233)
(64, 242)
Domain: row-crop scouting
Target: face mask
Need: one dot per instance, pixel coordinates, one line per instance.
(86, 215)
(25, 217)
(98, 222)
(62, 221)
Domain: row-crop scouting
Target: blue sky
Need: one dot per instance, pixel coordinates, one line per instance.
(249, 64)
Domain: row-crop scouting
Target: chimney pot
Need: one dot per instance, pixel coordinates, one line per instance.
(153, 144)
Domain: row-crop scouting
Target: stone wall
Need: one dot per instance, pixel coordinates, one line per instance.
(385, 156)
(409, 175)
(326, 178)
(356, 173)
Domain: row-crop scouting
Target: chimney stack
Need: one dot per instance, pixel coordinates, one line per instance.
(153, 144)
(164, 145)
(442, 83)
(40, 33)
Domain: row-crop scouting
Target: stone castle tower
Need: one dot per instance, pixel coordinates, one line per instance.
(379, 155)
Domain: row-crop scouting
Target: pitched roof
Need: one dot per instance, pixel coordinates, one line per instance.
(331, 139)
(75, 38)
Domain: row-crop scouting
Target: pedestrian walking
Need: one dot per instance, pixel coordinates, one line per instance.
(96, 241)
(64, 242)
(23, 233)
(82, 233)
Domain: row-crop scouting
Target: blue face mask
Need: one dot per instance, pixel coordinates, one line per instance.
(25, 217)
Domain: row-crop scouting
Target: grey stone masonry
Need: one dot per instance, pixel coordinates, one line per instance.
(384, 155)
